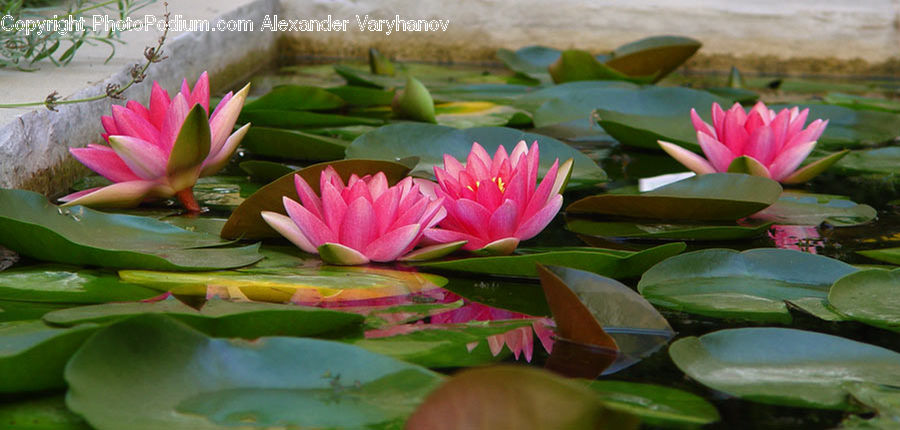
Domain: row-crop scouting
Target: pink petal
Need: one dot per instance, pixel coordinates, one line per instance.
(216, 162)
(452, 166)
(479, 153)
(761, 145)
(286, 227)
(718, 118)
(312, 227)
(489, 195)
(532, 226)
(109, 124)
(105, 162)
(121, 194)
(474, 216)
(700, 125)
(308, 197)
(356, 190)
(358, 228)
(386, 209)
(798, 119)
(200, 94)
(810, 134)
(779, 127)
(159, 105)
(333, 208)
(131, 124)
(518, 152)
(718, 155)
(390, 246)
(331, 175)
(504, 220)
(789, 159)
(500, 157)
(518, 189)
(138, 109)
(542, 194)
(692, 161)
(476, 165)
(378, 185)
(146, 160)
(735, 136)
(175, 116)
(223, 119)
(440, 235)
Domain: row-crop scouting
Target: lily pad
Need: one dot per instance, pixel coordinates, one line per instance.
(167, 375)
(266, 171)
(656, 405)
(519, 398)
(606, 262)
(363, 96)
(784, 367)
(220, 318)
(636, 327)
(653, 56)
(813, 209)
(33, 355)
(869, 296)
(293, 119)
(713, 197)
(889, 255)
(292, 144)
(654, 230)
(67, 284)
(301, 285)
(861, 102)
(245, 222)
(430, 142)
(297, 98)
(31, 226)
(531, 61)
(41, 413)
(752, 284)
(480, 114)
(882, 160)
(577, 65)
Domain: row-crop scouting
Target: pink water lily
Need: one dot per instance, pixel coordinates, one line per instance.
(366, 220)
(494, 203)
(160, 151)
(761, 142)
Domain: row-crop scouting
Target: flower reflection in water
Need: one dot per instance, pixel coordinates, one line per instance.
(797, 237)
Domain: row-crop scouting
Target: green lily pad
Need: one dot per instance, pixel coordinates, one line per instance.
(480, 114)
(14, 310)
(813, 209)
(861, 102)
(752, 284)
(266, 171)
(531, 61)
(713, 197)
(656, 405)
(293, 119)
(667, 231)
(784, 367)
(882, 160)
(537, 97)
(430, 142)
(220, 318)
(634, 324)
(889, 255)
(31, 226)
(304, 285)
(493, 93)
(607, 262)
(363, 96)
(41, 413)
(517, 295)
(653, 56)
(444, 345)
(245, 222)
(869, 296)
(577, 65)
(33, 355)
(292, 144)
(296, 98)
(516, 398)
(67, 284)
(167, 375)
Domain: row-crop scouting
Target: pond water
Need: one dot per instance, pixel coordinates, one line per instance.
(398, 300)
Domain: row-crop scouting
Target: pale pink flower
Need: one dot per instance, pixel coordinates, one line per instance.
(761, 142)
(494, 203)
(159, 151)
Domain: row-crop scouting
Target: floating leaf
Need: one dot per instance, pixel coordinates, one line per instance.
(493, 93)
(889, 255)
(299, 119)
(861, 102)
(41, 413)
(531, 61)
(292, 144)
(302, 285)
(363, 96)
(33, 355)
(784, 367)
(295, 98)
(882, 160)
(430, 143)
(667, 231)
(516, 398)
(576, 65)
(220, 318)
(718, 196)
(654, 56)
(245, 222)
(794, 208)
(656, 405)
(31, 226)
(596, 310)
(11, 310)
(480, 114)
(606, 262)
(266, 171)
(167, 375)
(67, 284)
(568, 90)
(753, 284)
(379, 64)
(869, 296)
